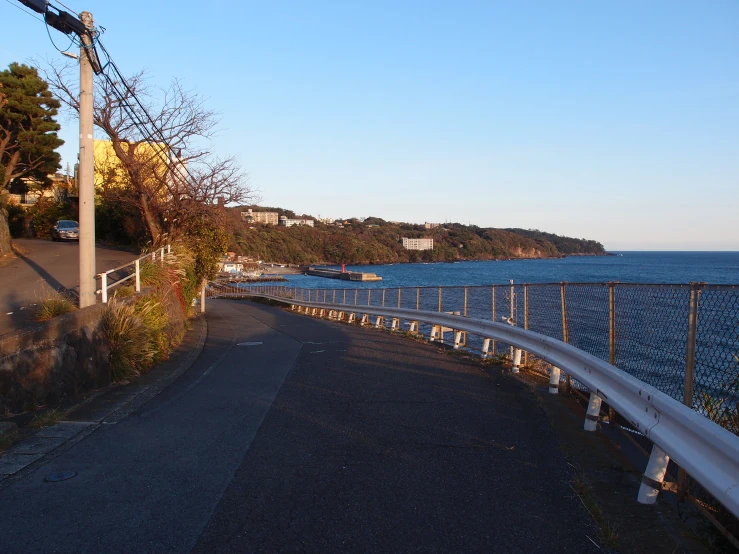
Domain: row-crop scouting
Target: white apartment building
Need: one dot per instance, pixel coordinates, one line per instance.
(293, 222)
(418, 244)
(267, 218)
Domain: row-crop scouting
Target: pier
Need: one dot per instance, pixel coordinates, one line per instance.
(344, 275)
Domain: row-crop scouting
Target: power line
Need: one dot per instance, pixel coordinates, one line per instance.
(25, 11)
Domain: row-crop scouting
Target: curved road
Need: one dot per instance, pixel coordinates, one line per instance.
(42, 267)
(302, 435)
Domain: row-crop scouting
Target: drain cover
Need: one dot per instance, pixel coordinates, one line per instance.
(60, 476)
(255, 343)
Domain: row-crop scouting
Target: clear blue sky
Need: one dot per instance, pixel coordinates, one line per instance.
(617, 121)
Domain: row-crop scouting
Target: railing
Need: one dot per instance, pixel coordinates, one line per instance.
(131, 270)
(672, 344)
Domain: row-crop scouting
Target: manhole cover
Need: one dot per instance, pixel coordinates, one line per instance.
(254, 343)
(60, 476)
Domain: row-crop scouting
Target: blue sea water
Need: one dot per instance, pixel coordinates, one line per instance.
(626, 267)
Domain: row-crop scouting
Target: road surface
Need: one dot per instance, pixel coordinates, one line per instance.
(41, 268)
(302, 435)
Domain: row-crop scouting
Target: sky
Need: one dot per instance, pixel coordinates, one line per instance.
(612, 121)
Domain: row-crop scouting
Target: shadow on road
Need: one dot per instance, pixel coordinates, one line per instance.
(72, 293)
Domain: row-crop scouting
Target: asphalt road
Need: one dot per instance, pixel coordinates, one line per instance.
(323, 438)
(41, 268)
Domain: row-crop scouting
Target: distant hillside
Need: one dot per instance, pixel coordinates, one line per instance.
(374, 241)
(565, 245)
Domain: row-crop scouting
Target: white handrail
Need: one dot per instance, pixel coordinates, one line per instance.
(705, 450)
(105, 286)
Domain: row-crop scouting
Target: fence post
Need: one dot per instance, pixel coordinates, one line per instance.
(162, 256)
(344, 296)
(383, 298)
(512, 321)
(565, 330)
(494, 350)
(682, 477)
(202, 298)
(356, 296)
(104, 287)
(612, 340)
(169, 249)
(526, 319)
(138, 275)
(439, 299)
(690, 347)
(418, 298)
(369, 292)
(465, 302)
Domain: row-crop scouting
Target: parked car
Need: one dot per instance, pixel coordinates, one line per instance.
(65, 229)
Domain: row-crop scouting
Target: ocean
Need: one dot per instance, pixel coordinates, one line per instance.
(625, 267)
(651, 323)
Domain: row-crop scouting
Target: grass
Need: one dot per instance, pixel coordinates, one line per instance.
(54, 305)
(607, 531)
(47, 419)
(130, 349)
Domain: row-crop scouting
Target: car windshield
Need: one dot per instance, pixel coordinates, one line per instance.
(67, 224)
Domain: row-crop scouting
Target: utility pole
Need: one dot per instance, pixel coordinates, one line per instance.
(87, 168)
(84, 28)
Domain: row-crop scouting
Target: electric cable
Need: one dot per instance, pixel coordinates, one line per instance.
(25, 11)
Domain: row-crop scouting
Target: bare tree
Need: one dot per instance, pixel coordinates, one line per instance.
(160, 139)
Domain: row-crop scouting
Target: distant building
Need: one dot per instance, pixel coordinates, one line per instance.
(418, 244)
(230, 267)
(326, 220)
(428, 225)
(293, 222)
(265, 218)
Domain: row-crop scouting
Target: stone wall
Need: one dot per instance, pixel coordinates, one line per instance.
(53, 360)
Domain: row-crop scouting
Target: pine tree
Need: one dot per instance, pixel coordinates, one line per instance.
(28, 134)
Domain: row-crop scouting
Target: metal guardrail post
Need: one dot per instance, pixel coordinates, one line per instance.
(162, 255)
(465, 302)
(334, 298)
(439, 299)
(202, 298)
(565, 330)
(383, 298)
(344, 296)
(104, 287)
(356, 296)
(418, 298)
(138, 276)
(651, 482)
(398, 297)
(369, 292)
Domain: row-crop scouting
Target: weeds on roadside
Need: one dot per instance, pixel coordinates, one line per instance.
(607, 531)
(53, 305)
(47, 419)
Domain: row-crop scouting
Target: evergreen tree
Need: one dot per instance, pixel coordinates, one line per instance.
(28, 134)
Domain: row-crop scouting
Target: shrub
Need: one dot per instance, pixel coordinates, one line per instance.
(54, 305)
(130, 350)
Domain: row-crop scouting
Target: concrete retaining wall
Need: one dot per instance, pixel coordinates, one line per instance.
(54, 360)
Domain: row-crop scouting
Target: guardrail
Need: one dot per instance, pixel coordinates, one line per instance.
(705, 450)
(135, 272)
